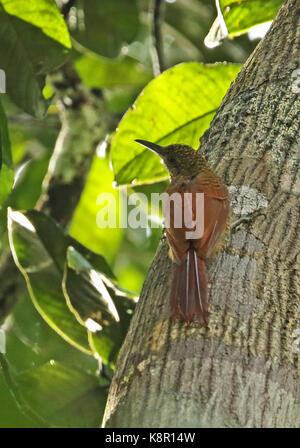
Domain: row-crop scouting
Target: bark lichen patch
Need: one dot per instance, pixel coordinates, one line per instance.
(245, 200)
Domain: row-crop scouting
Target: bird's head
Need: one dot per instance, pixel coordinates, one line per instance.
(180, 160)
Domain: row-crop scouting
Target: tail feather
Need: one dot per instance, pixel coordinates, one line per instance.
(188, 296)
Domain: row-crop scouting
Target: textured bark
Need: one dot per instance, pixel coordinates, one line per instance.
(243, 369)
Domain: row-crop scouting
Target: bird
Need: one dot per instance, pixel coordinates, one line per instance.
(189, 249)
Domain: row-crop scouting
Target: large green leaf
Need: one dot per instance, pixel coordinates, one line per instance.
(64, 396)
(91, 297)
(56, 242)
(44, 280)
(43, 14)
(125, 304)
(84, 227)
(240, 15)
(35, 33)
(176, 107)
(6, 170)
(39, 247)
(103, 26)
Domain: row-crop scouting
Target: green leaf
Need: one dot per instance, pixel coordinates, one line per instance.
(43, 14)
(56, 242)
(44, 280)
(28, 186)
(36, 34)
(240, 15)
(84, 227)
(6, 170)
(39, 246)
(64, 396)
(89, 297)
(176, 107)
(125, 304)
(97, 71)
(104, 26)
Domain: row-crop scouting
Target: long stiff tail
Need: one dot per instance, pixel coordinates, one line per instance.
(188, 296)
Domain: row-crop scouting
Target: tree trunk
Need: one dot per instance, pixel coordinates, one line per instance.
(243, 369)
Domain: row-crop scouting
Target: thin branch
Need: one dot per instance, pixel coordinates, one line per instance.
(157, 44)
(236, 224)
(51, 122)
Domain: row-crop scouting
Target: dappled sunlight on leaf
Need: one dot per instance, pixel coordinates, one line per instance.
(176, 107)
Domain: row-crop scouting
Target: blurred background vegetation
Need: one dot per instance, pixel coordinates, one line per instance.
(116, 48)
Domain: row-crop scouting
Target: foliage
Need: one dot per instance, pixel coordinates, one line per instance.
(188, 96)
(30, 31)
(242, 15)
(6, 171)
(61, 352)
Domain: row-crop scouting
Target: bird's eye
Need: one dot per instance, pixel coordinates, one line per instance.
(171, 159)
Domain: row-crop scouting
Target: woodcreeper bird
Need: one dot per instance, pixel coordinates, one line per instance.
(190, 173)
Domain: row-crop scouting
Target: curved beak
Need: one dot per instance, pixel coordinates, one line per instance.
(152, 146)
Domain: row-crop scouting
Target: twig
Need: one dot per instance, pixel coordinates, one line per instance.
(157, 47)
(25, 120)
(236, 224)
